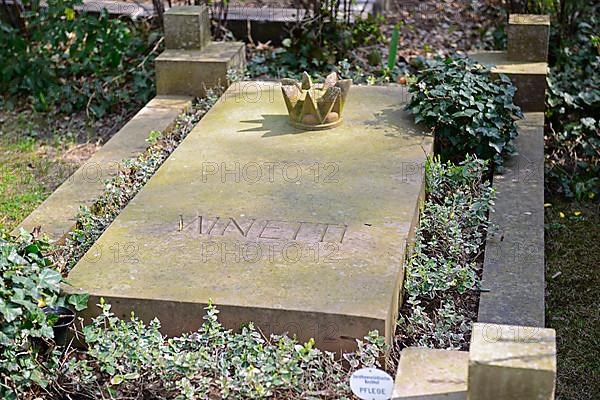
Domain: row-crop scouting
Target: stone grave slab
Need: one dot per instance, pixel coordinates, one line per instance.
(302, 232)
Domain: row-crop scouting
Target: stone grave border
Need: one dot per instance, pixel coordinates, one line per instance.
(514, 263)
(511, 355)
(511, 312)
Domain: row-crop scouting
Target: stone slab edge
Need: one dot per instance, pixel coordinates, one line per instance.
(509, 362)
(431, 374)
(513, 271)
(56, 215)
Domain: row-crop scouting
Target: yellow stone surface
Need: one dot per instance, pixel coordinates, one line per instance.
(509, 362)
(299, 231)
(431, 374)
(529, 19)
(191, 72)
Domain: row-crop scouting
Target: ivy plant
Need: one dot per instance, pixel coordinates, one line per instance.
(468, 109)
(29, 282)
(573, 115)
(131, 359)
(54, 58)
(442, 273)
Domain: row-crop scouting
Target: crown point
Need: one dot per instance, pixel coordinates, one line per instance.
(330, 80)
(306, 81)
(315, 106)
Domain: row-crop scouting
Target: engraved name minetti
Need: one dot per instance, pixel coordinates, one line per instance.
(266, 229)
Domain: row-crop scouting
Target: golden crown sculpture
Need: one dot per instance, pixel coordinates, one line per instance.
(315, 106)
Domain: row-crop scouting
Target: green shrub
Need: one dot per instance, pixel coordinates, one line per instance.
(468, 111)
(74, 62)
(573, 116)
(442, 272)
(29, 281)
(322, 39)
(128, 359)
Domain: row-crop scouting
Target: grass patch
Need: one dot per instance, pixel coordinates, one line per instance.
(27, 176)
(31, 168)
(40, 151)
(573, 290)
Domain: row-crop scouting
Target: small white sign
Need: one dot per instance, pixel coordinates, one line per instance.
(372, 384)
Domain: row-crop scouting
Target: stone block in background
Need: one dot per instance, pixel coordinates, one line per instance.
(187, 27)
(528, 77)
(528, 37)
(191, 72)
(508, 362)
(431, 374)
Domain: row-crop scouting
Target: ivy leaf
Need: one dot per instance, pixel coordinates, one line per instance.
(466, 113)
(497, 147)
(50, 279)
(467, 108)
(79, 301)
(10, 311)
(4, 340)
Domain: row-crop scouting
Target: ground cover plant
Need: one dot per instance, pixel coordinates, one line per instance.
(51, 58)
(573, 116)
(30, 281)
(443, 273)
(467, 109)
(129, 359)
(27, 280)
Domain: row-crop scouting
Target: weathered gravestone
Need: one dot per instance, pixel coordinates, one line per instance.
(299, 231)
